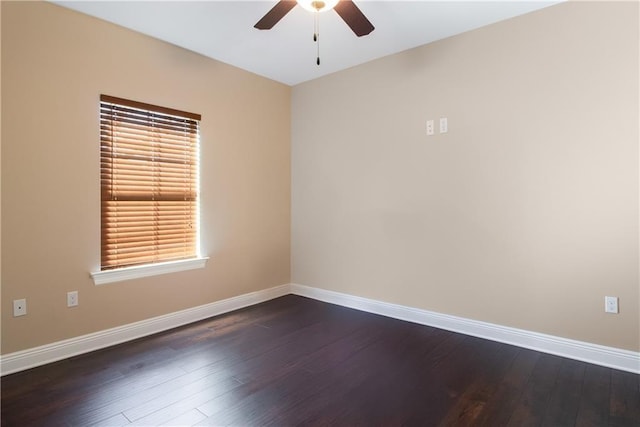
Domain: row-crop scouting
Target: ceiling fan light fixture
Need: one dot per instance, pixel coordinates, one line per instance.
(318, 5)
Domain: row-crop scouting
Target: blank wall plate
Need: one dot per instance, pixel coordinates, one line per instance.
(444, 126)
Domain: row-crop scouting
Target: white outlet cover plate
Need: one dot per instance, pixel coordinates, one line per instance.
(19, 307)
(444, 127)
(72, 299)
(611, 304)
(430, 129)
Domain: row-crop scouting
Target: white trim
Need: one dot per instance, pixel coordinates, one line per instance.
(611, 357)
(624, 360)
(135, 272)
(30, 358)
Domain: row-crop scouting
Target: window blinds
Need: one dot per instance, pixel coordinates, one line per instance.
(149, 184)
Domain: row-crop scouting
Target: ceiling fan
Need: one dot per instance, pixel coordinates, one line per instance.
(348, 11)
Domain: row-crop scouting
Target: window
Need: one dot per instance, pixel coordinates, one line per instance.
(149, 184)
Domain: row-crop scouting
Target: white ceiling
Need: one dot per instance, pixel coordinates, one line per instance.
(223, 30)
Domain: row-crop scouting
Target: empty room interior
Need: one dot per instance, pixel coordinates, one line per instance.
(366, 232)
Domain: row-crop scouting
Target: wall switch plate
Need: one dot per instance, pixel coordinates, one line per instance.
(430, 129)
(19, 307)
(72, 299)
(444, 126)
(611, 304)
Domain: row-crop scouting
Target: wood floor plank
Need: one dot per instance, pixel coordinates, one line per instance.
(357, 378)
(398, 379)
(624, 409)
(249, 406)
(117, 420)
(594, 400)
(565, 397)
(179, 392)
(355, 370)
(469, 407)
(341, 367)
(498, 410)
(296, 361)
(54, 407)
(184, 405)
(190, 418)
(441, 387)
(346, 380)
(532, 406)
(293, 347)
(211, 369)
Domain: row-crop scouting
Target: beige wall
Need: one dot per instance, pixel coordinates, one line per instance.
(1, 304)
(525, 214)
(55, 64)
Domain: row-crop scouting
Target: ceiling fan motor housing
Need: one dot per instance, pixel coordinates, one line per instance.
(348, 11)
(318, 5)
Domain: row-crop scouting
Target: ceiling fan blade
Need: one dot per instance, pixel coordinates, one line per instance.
(275, 14)
(354, 17)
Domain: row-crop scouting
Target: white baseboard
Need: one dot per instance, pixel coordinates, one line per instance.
(600, 355)
(611, 357)
(30, 358)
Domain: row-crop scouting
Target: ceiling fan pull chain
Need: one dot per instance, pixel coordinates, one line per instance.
(315, 27)
(317, 37)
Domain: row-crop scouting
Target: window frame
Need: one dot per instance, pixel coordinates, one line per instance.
(148, 192)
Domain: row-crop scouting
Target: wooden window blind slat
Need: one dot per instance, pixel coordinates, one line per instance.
(148, 176)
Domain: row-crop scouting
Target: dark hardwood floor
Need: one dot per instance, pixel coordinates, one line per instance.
(293, 361)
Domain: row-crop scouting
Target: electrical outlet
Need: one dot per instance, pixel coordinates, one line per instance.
(611, 305)
(430, 130)
(72, 298)
(19, 307)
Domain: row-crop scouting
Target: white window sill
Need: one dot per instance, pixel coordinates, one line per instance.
(127, 273)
